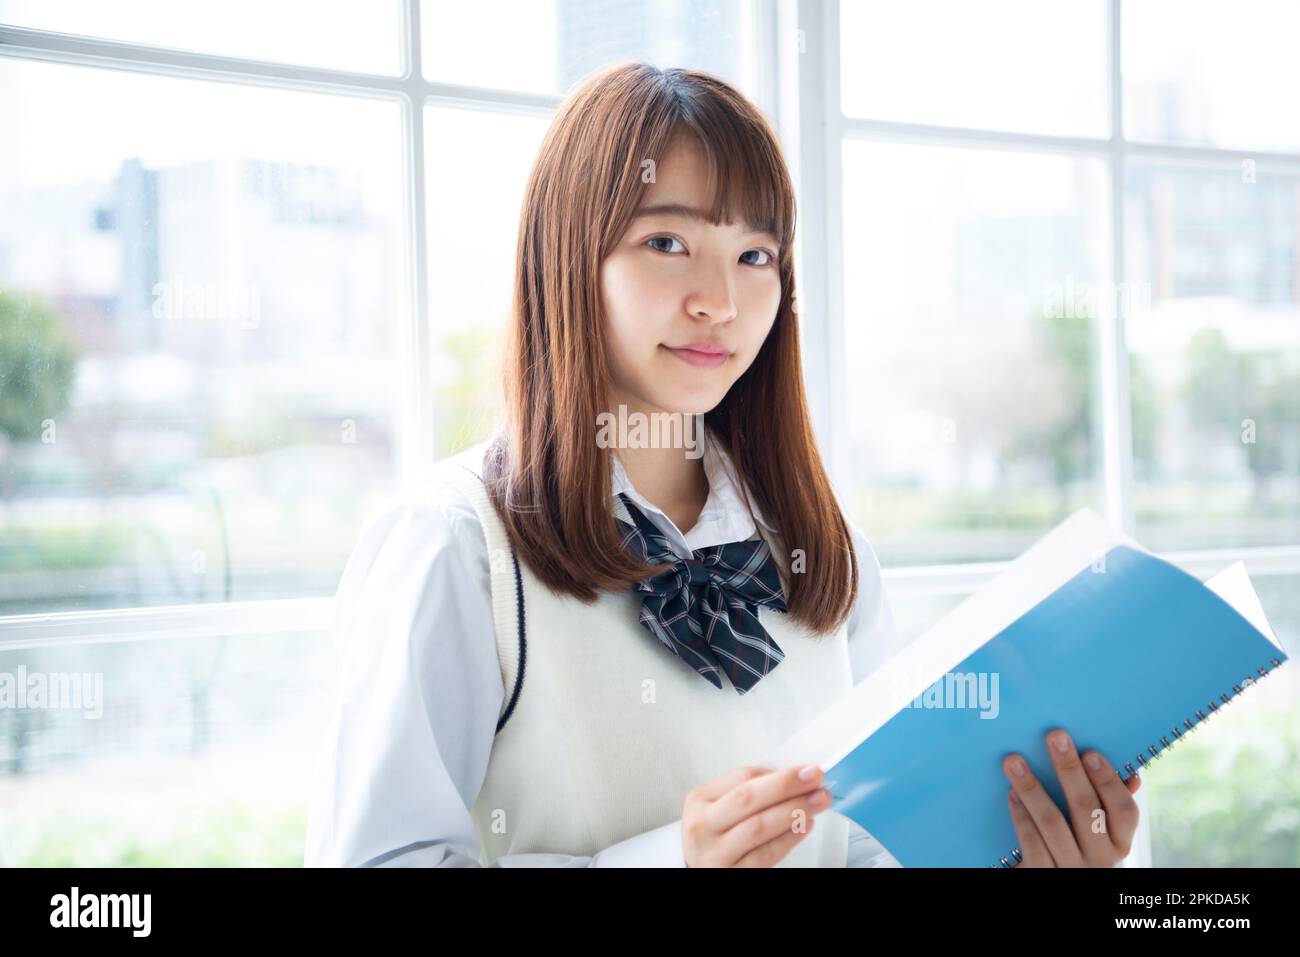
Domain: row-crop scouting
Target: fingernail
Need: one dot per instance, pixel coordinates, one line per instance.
(808, 773)
(1018, 767)
(819, 797)
(1094, 761)
(1062, 742)
(1015, 798)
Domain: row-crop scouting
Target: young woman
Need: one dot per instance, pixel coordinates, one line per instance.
(561, 648)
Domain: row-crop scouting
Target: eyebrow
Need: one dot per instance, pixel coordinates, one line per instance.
(693, 212)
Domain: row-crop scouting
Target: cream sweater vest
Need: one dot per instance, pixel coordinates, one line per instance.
(604, 730)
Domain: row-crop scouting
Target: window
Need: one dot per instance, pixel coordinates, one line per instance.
(973, 424)
(357, 35)
(462, 42)
(1223, 78)
(218, 270)
(1048, 259)
(1216, 341)
(1006, 55)
(259, 273)
(1064, 281)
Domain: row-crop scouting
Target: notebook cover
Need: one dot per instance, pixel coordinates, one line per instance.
(1122, 658)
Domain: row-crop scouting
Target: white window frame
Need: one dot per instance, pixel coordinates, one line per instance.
(798, 83)
(816, 25)
(417, 427)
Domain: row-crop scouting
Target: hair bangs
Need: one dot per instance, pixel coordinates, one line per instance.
(746, 178)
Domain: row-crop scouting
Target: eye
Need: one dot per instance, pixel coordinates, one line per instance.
(763, 252)
(662, 239)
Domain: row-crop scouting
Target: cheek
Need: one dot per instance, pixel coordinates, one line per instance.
(636, 304)
(759, 306)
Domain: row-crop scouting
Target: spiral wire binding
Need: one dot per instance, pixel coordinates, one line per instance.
(1190, 725)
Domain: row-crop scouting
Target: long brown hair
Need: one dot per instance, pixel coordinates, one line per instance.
(546, 474)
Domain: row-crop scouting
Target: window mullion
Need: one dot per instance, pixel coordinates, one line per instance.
(418, 438)
(1117, 432)
(810, 91)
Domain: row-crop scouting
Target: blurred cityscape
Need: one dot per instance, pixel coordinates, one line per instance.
(234, 329)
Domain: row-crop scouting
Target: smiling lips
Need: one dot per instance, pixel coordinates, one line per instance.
(706, 354)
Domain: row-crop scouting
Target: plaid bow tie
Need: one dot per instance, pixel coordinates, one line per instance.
(705, 608)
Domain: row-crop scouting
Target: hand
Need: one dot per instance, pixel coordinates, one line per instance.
(1103, 814)
(750, 817)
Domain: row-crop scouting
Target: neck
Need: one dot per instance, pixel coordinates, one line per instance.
(665, 476)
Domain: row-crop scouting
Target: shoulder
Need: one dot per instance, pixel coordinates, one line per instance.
(437, 496)
(425, 534)
(865, 550)
(873, 635)
(413, 610)
(871, 584)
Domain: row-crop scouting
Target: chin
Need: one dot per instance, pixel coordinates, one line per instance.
(685, 403)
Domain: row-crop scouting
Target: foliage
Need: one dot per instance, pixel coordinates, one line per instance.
(37, 366)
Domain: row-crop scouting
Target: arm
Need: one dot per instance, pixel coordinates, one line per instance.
(873, 636)
(661, 847)
(419, 695)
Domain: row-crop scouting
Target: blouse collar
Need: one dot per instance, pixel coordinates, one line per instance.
(724, 518)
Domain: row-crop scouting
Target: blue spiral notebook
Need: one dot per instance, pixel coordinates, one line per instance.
(1086, 630)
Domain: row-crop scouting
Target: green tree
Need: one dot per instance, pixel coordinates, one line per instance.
(468, 401)
(1270, 428)
(1066, 434)
(1250, 399)
(1144, 421)
(1216, 384)
(37, 364)
(38, 361)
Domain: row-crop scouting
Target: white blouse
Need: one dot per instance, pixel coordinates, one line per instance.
(407, 748)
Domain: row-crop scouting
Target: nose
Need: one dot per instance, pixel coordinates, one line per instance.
(712, 299)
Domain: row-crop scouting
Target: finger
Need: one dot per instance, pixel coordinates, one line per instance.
(769, 824)
(1084, 806)
(774, 851)
(1033, 849)
(1133, 782)
(712, 790)
(1117, 800)
(1047, 816)
(757, 793)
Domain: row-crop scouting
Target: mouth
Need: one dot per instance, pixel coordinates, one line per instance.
(703, 354)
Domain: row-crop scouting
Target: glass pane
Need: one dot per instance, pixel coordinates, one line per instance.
(1227, 798)
(1019, 65)
(969, 279)
(173, 752)
(915, 610)
(358, 35)
(552, 44)
(198, 398)
(474, 197)
(1214, 343)
(1225, 76)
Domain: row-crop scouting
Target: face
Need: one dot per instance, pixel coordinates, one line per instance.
(687, 304)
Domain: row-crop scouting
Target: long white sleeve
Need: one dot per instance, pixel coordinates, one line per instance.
(419, 695)
(873, 638)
